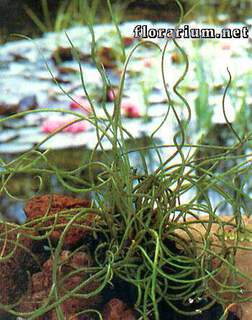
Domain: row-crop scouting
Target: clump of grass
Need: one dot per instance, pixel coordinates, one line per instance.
(203, 110)
(215, 11)
(70, 13)
(139, 212)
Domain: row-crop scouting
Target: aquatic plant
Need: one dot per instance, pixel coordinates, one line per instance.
(203, 111)
(142, 229)
(219, 11)
(73, 12)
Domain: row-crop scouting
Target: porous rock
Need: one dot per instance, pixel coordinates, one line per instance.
(16, 261)
(224, 244)
(116, 309)
(49, 206)
(41, 284)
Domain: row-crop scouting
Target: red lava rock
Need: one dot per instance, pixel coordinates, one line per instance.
(115, 309)
(14, 269)
(40, 206)
(41, 283)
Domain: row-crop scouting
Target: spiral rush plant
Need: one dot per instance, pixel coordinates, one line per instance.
(143, 232)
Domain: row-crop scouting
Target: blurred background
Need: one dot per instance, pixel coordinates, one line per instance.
(15, 14)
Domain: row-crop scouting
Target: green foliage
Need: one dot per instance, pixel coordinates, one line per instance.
(203, 111)
(243, 117)
(213, 11)
(76, 12)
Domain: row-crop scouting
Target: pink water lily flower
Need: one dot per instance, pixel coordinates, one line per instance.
(52, 124)
(130, 109)
(81, 104)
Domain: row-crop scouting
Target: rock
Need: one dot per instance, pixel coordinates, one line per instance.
(242, 260)
(41, 284)
(115, 309)
(14, 269)
(40, 206)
